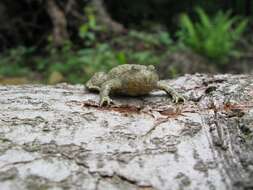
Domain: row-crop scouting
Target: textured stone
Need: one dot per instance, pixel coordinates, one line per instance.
(57, 137)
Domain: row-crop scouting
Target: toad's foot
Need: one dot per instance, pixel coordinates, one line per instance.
(176, 98)
(104, 101)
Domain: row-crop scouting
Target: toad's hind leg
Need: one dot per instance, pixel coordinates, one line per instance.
(105, 90)
(161, 85)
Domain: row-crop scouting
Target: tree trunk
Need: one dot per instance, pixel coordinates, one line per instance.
(57, 137)
(105, 18)
(60, 33)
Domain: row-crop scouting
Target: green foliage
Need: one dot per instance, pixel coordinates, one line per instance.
(15, 62)
(165, 38)
(121, 57)
(87, 31)
(149, 39)
(103, 57)
(144, 57)
(77, 66)
(214, 37)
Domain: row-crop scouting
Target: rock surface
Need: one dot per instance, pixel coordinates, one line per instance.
(57, 137)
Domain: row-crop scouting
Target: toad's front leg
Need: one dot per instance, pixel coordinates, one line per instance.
(161, 85)
(105, 90)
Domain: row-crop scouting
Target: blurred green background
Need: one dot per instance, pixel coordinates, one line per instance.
(51, 41)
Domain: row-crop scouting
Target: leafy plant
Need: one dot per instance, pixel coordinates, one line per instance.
(143, 57)
(77, 65)
(15, 61)
(87, 31)
(157, 39)
(165, 38)
(214, 37)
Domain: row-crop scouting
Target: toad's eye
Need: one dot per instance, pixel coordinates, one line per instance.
(151, 67)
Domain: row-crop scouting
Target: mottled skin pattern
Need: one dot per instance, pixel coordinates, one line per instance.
(132, 80)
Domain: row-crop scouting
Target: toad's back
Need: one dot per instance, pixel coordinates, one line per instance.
(135, 79)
